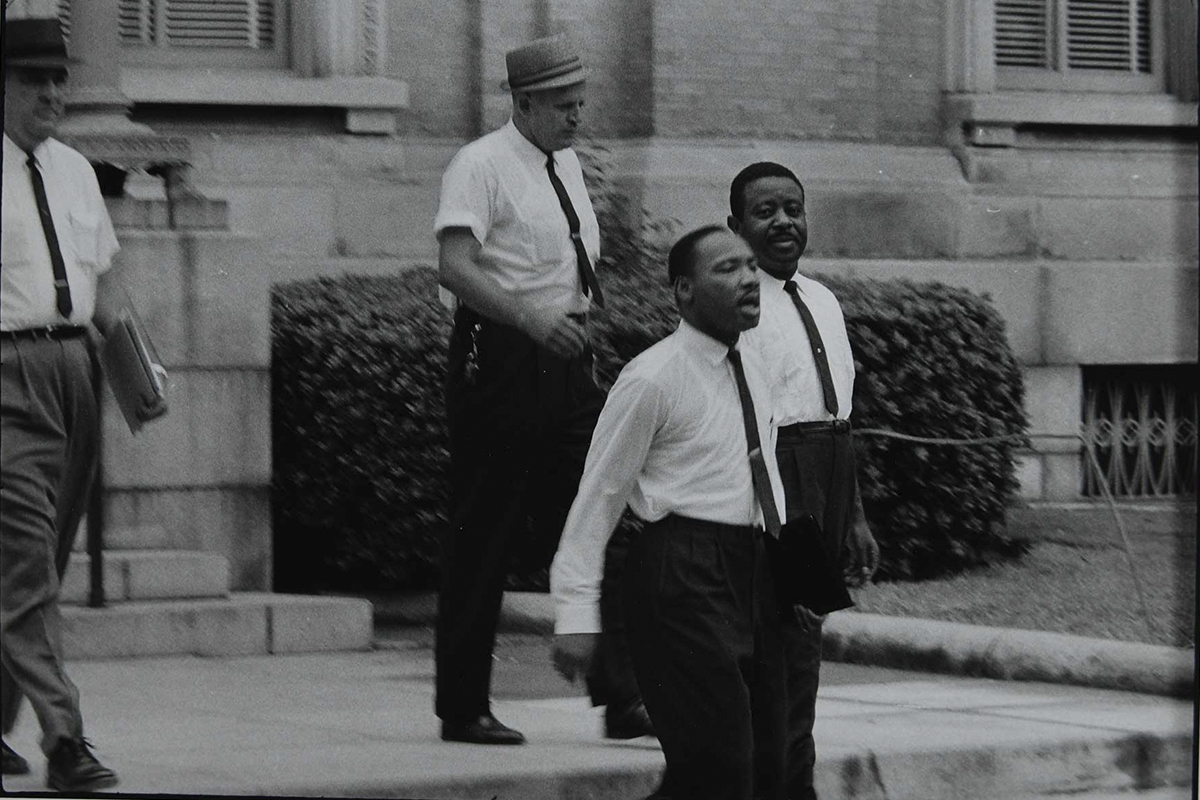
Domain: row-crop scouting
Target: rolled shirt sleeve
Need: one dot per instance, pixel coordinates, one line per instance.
(465, 199)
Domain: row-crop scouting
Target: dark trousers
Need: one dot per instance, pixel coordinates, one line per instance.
(817, 469)
(48, 451)
(708, 658)
(520, 422)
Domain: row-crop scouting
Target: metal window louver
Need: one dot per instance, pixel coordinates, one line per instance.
(242, 24)
(1075, 35)
(1022, 33)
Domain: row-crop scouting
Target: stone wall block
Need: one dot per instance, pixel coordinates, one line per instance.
(1115, 229)
(1123, 313)
(232, 521)
(217, 432)
(202, 296)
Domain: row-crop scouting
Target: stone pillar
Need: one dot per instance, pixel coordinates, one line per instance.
(97, 122)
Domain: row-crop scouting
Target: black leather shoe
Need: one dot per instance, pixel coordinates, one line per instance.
(11, 762)
(627, 721)
(71, 767)
(481, 730)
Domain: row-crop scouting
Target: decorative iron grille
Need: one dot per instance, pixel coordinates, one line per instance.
(1142, 422)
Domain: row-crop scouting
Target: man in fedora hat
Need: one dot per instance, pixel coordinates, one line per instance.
(518, 240)
(57, 246)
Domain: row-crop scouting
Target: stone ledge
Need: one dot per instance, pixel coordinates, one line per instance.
(1060, 108)
(241, 624)
(370, 102)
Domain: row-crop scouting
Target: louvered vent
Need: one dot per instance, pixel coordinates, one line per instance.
(64, 18)
(137, 21)
(1108, 35)
(238, 24)
(1022, 33)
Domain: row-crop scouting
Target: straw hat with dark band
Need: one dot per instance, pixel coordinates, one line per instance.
(548, 63)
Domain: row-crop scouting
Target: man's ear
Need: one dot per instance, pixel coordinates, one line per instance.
(734, 224)
(683, 290)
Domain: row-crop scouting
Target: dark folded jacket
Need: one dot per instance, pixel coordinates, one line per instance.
(805, 573)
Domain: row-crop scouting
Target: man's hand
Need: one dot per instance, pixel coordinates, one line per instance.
(561, 333)
(573, 653)
(862, 555)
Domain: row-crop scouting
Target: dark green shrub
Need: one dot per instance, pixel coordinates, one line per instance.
(359, 431)
(933, 361)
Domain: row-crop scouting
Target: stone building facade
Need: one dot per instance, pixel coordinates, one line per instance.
(1044, 151)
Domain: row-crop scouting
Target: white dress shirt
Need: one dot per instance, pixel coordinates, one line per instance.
(671, 439)
(498, 187)
(81, 223)
(782, 342)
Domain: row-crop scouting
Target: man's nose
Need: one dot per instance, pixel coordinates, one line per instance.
(54, 90)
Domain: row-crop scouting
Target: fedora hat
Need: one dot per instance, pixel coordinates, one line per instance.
(35, 42)
(547, 63)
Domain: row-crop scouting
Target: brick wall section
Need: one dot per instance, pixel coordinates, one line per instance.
(617, 40)
(433, 45)
(867, 70)
(858, 70)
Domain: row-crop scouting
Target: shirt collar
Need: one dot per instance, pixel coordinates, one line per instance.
(523, 147)
(39, 152)
(711, 350)
(769, 283)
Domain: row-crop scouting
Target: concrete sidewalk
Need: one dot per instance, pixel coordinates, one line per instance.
(918, 644)
(362, 724)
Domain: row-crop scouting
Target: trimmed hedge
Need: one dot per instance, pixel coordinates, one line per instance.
(933, 361)
(360, 444)
(359, 432)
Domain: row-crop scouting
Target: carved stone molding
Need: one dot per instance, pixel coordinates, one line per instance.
(134, 151)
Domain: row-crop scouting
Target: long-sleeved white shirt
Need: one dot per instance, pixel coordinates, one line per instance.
(671, 439)
(782, 343)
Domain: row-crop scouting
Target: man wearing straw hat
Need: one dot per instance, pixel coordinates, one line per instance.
(57, 244)
(518, 241)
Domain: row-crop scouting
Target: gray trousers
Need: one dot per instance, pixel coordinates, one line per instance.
(48, 450)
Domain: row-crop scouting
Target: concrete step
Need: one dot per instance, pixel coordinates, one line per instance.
(131, 575)
(244, 623)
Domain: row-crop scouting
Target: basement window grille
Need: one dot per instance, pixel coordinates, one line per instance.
(1142, 422)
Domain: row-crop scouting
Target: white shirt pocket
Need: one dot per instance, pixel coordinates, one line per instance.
(85, 238)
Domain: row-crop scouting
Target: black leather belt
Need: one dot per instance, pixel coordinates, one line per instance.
(55, 332)
(827, 426)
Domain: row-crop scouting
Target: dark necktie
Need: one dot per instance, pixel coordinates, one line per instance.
(818, 348)
(759, 475)
(587, 277)
(62, 289)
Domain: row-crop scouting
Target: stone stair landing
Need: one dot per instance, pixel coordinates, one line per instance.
(178, 602)
(187, 542)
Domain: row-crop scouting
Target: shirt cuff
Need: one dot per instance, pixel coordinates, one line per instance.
(577, 618)
(446, 220)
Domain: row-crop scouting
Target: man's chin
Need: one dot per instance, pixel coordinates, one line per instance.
(785, 250)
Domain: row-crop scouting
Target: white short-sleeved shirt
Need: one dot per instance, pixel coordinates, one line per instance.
(81, 223)
(671, 439)
(498, 187)
(782, 342)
